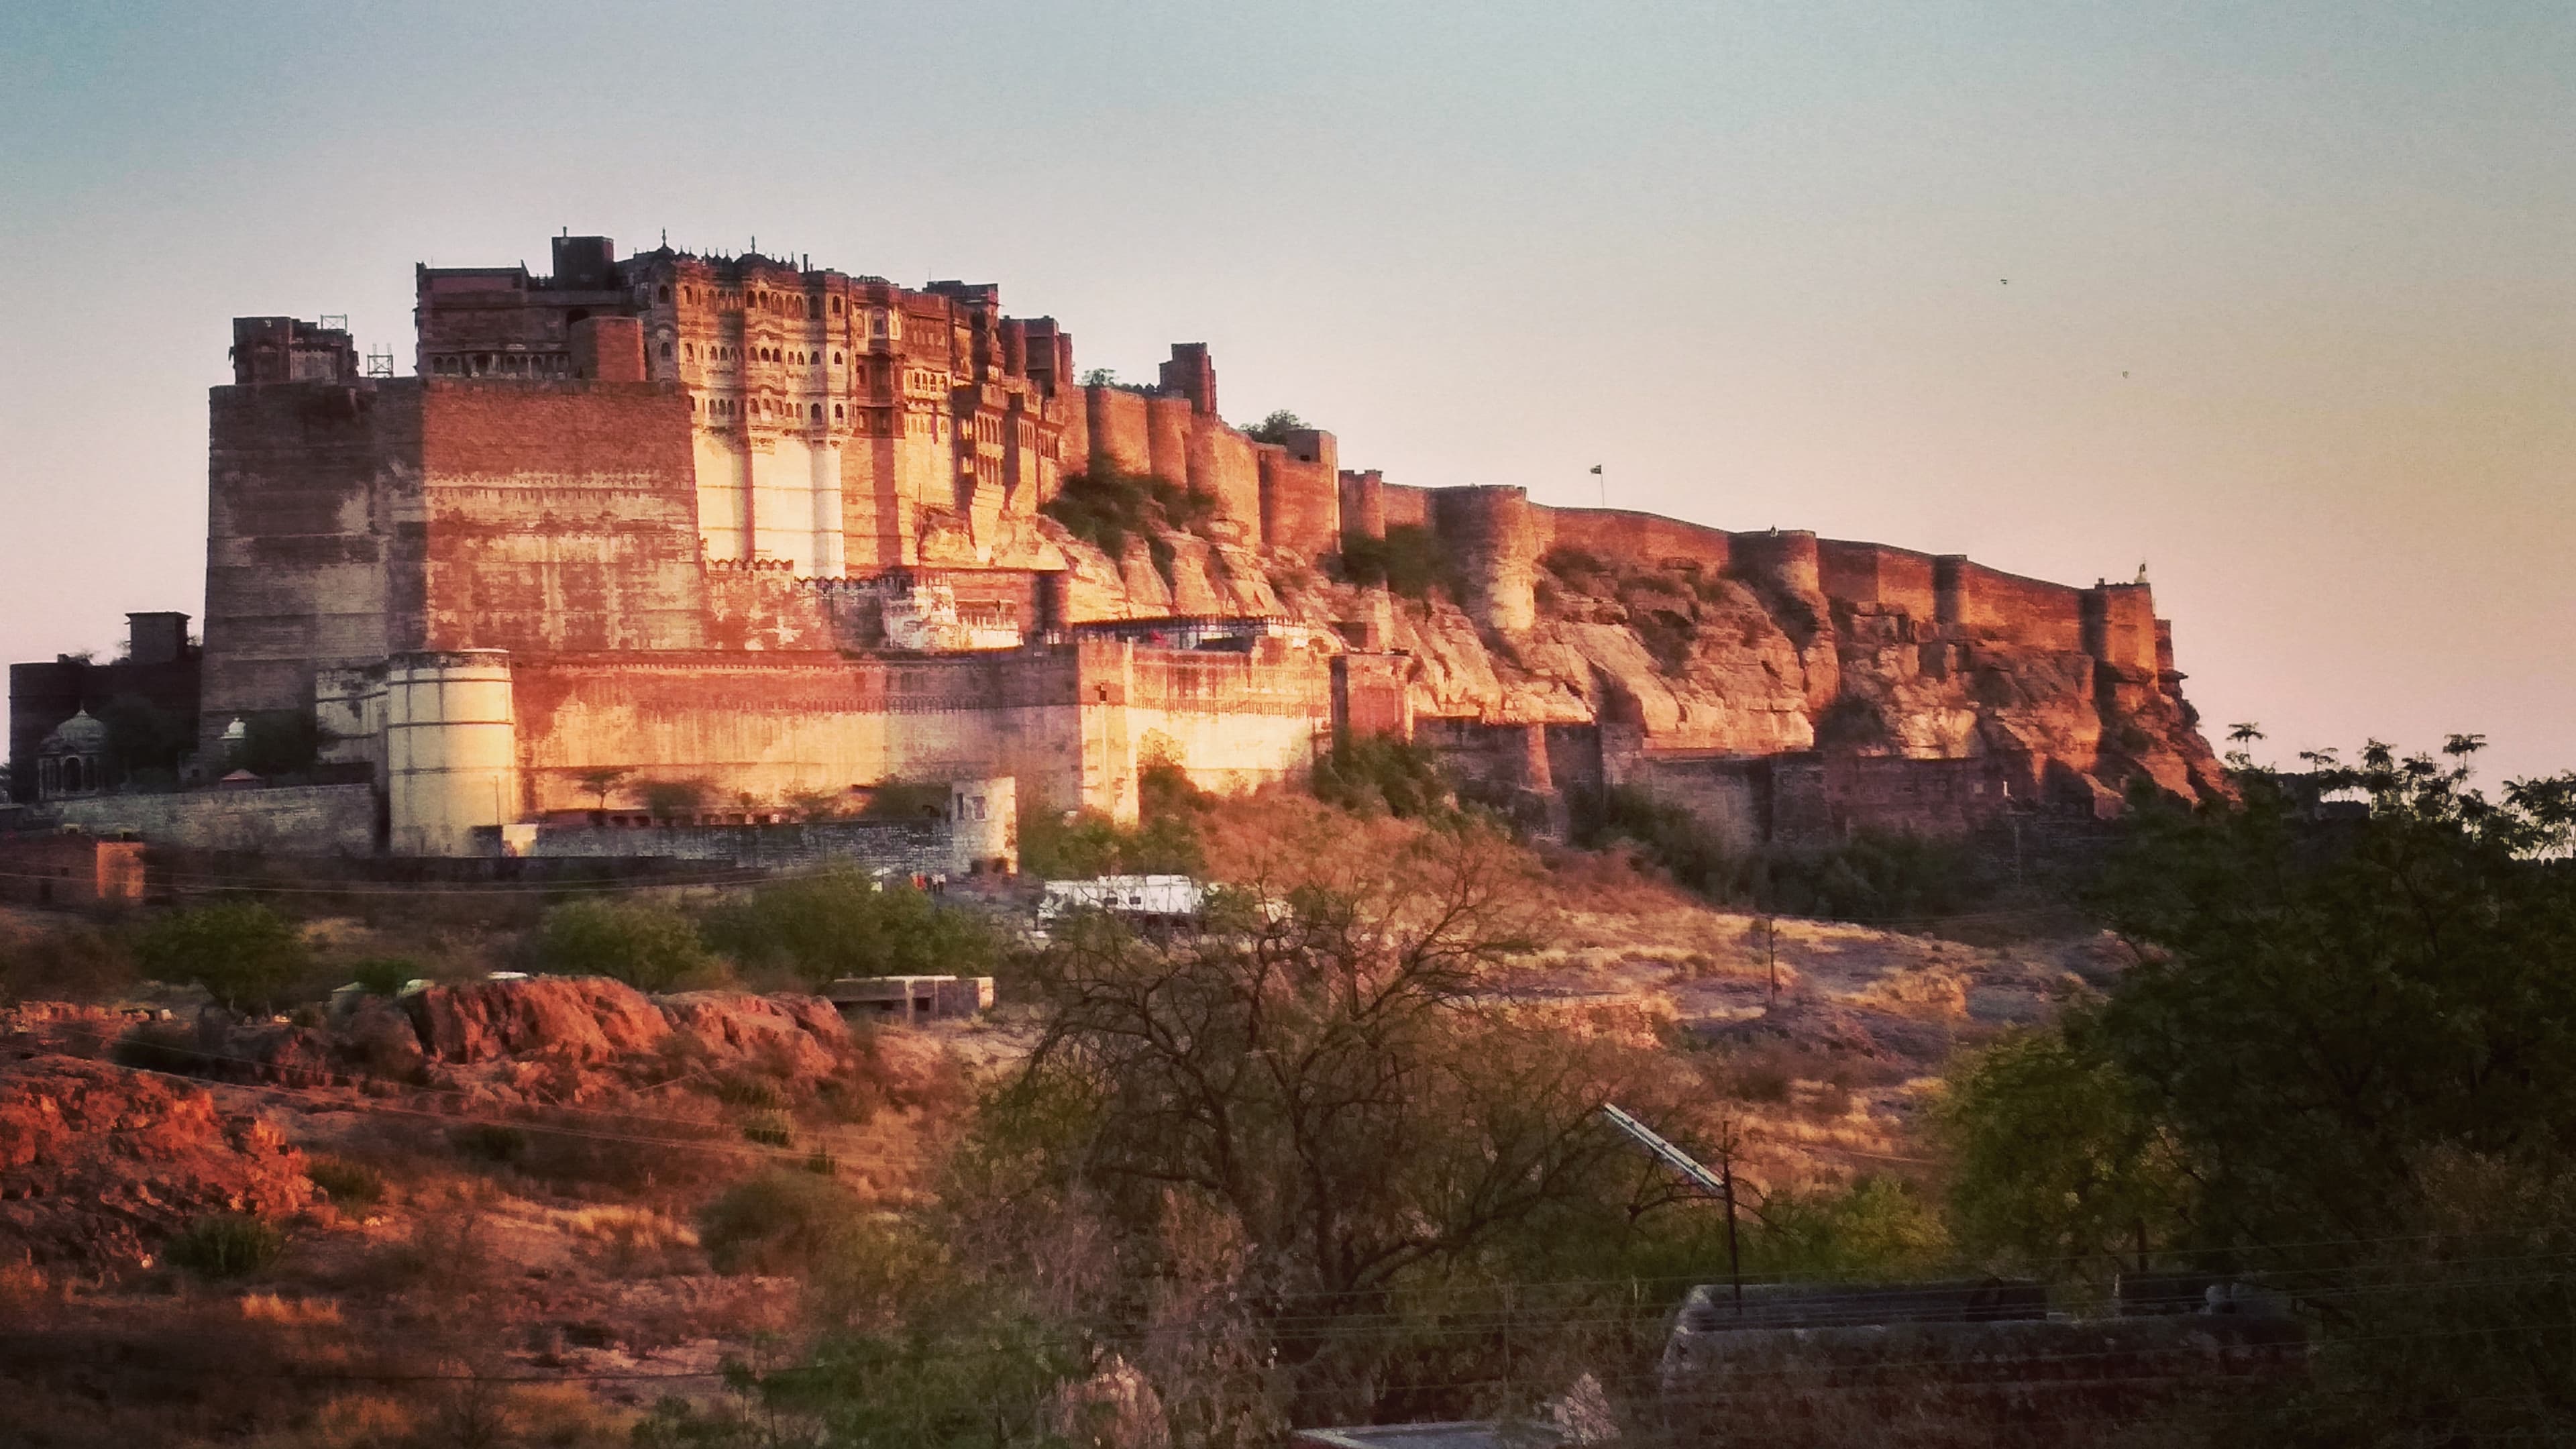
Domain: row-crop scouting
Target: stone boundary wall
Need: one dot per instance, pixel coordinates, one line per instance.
(1228, 467)
(1073, 723)
(290, 819)
(900, 846)
(1729, 796)
(1117, 430)
(1301, 503)
(51, 868)
(1271, 679)
(772, 724)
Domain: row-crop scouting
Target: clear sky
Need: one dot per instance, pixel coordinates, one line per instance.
(2280, 299)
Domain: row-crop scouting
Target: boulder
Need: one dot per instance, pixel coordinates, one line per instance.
(579, 1018)
(801, 1036)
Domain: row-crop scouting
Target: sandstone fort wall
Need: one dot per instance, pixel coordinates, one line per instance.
(560, 517)
(1363, 501)
(693, 500)
(1870, 573)
(1120, 437)
(771, 725)
(2120, 629)
(1300, 495)
(1406, 506)
(1167, 438)
(312, 499)
(1074, 724)
(2032, 611)
(1617, 535)
(1226, 466)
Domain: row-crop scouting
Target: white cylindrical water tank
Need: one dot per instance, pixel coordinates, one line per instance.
(451, 751)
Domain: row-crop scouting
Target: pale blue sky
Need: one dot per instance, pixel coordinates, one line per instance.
(1749, 256)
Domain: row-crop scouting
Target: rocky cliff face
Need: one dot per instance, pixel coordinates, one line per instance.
(1704, 659)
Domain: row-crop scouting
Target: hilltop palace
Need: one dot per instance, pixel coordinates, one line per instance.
(781, 534)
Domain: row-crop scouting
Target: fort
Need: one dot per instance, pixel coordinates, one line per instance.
(783, 535)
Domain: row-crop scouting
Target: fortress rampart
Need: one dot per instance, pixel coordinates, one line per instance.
(1495, 534)
(779, 530)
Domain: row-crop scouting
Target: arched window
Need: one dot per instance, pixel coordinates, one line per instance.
(836, 412)
(71, 774)
(818, 412)
(665, 294)
(836, 359)
(836, 306)
(666, 351)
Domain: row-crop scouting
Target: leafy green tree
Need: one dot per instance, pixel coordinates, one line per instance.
(244, 953)
(1409, 560)
(2058, 1159)
(649, 947)
(840, 923)
(1381, 774)
(672, 799)
(1276, 427)
(817, 805)
(907, 800)
(278, 742)
(2316, 1007)
(145, 740)
(386, 975)
(1106, 507)
(2346, 1062)
(1167, 838)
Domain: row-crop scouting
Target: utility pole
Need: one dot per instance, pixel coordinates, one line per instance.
(1734, 1262)
(1720, 1185)
(1771, 953)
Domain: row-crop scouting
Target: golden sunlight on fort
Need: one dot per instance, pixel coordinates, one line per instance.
(783, 532)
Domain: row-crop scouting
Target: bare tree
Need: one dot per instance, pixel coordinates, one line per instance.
(1335, 1065)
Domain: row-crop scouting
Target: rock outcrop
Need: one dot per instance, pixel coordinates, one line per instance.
(99, 1163)
(573, 1018)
